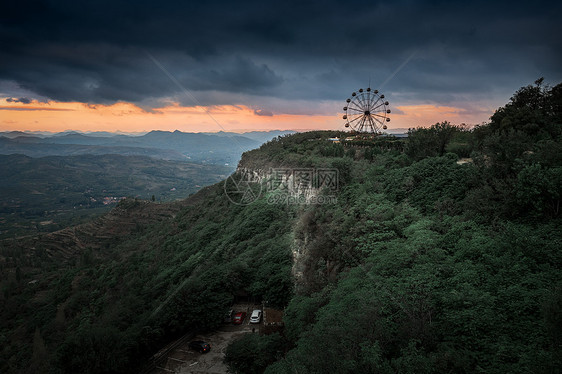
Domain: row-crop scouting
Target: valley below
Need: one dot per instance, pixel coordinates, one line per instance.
(50, 193)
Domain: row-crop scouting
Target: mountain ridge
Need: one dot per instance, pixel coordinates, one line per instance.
(159, 144)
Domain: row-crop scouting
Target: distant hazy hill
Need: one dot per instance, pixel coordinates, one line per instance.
(50, 181)
(15, 134)
(35, 147)
(177, 145)
(260, 136)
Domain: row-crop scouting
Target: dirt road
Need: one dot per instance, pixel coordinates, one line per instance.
(182, 360)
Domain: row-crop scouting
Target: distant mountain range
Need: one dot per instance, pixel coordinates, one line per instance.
(213, 148)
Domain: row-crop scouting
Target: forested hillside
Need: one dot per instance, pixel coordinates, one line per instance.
(423, 264)
(103, 297)
(428, 265)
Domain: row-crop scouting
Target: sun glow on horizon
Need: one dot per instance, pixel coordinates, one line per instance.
(54, 116)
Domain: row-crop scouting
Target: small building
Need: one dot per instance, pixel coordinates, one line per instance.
(272, 321)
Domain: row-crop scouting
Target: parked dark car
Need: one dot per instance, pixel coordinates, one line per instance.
(200, 346)
(239, 318)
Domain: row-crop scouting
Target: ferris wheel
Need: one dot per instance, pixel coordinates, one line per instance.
(366, 111)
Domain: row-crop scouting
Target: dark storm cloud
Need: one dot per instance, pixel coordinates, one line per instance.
(23, 100)
(263, 112)
(96, 51)
(20, 109)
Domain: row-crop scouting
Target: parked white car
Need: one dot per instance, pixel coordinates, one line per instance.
(256, 316)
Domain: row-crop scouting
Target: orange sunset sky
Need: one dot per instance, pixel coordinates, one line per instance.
(237, 66)
(127, 117)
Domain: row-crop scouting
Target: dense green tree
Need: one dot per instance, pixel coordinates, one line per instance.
(252, 353)
(533, 110)
(425, 142)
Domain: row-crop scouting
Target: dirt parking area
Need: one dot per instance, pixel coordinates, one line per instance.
(182, 360)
